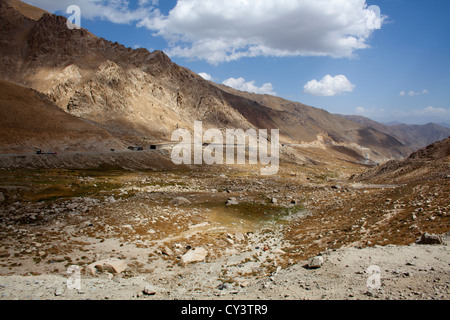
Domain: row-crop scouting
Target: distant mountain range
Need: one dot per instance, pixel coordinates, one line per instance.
(413, 136)
(136, 97)
(444, 124)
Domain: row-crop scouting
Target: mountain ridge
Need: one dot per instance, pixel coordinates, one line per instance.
(141, 97)
(412, 135)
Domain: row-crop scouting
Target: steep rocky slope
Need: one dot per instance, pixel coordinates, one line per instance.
(135, 94)
(427, 164)
(302, 124)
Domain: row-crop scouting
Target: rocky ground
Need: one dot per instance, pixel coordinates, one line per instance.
(226, 234)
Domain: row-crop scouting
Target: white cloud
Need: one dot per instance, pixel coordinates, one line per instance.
(414, 93)
(362, 110)
(116, 11)
(205, 76)
(432, 111)
(241, 84)
(329, 86)
(372, 112)
(219, 31)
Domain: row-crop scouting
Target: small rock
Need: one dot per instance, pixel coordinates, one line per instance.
(222, 286)
(114, 266)
(407, 274)
(273, 200)
(2, 197)
(315, 262)
(369, 294)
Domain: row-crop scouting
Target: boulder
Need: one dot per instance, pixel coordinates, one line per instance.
(59, 291)
(315, 262)
(149, 290)
(165, 250)
(232, 201)
(113, 266)
(180, 201)
(239, 237)
(194, 255)
(427, 238)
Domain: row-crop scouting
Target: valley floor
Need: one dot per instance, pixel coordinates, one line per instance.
(258, 234)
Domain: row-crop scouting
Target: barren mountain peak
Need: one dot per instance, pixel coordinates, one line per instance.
(27, 10)
(143, 96)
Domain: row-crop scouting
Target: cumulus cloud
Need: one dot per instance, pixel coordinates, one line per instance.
(205, 76)
(241, 84)
(329, 86)
(116, 11)
(219, 31)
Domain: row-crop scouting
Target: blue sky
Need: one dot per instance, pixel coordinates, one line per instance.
(338, 55)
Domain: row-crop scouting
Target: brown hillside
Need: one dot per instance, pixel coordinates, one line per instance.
(27, 10)
(427, 164)
(438, 151)
(304, 124)
(29, 122)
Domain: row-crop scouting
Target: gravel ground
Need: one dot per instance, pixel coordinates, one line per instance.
(406, 272)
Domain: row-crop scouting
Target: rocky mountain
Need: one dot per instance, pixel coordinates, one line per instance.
(141, 97)
(438, 151)
(427, 164)
(302, 124)
(414, 136)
